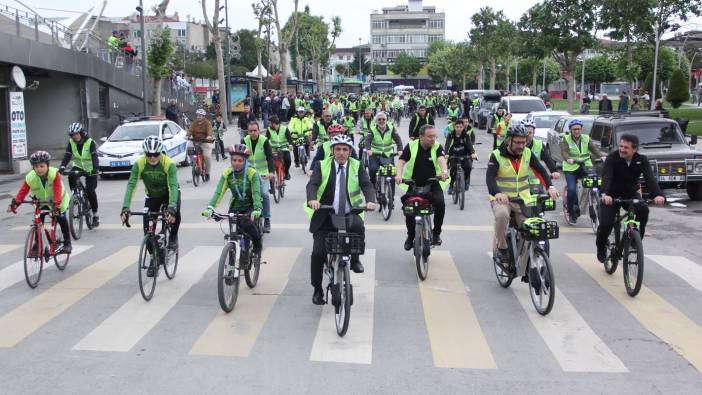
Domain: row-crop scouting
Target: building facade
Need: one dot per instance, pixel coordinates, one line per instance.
(405, 28)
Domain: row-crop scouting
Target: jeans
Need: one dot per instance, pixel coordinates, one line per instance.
(467, 166)
(572, 181)
(265, 196)
(249, 228)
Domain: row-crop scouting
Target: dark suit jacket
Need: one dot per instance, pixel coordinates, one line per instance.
(328, 195)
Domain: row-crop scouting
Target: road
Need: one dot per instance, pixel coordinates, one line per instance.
(87, 329)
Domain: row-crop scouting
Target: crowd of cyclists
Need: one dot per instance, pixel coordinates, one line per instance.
(355, 131)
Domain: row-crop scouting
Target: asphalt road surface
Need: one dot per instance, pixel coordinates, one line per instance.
(88, 330)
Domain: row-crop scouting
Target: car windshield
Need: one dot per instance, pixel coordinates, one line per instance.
(653, 133)
(133, 132)
(526, 106)
(546, 121)
(488, 103)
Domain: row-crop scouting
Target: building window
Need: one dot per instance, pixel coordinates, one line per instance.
(376, 39)
(436, 23)
(136, 33)
(380, 24)
(180, 32)
(435, 37)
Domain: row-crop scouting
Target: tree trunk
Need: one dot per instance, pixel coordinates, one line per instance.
(260, 74)
(571, 89)
(534, 76)
(220, 76)
(283, 54)
(493, 73)
(155, 97)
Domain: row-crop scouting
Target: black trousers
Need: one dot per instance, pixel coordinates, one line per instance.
(249, 228)
(90, 186)
(307, 151)
(155, 204)
(607, 214)
(467, 166)
(319, 251)
(437, 200)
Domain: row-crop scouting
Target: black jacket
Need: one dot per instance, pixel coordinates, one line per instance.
(621, 180)
(172, 113)
(417, 122)
(328, 195)
(244, 120)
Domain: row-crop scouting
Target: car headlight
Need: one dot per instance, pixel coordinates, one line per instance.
(698, 167)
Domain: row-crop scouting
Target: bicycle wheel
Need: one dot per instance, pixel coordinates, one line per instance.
(542, 288)
(633, 263)
(504, 278)
(303, 160)
(593, 210)
(420, 260)
(388, 200)
(228, 278)
(274, 191)
(610, 264)
(454, 195)
(75, 217)
(216, 151)
(566, 215)
(196, 174)
(343, 310)
(460, 191)
(148, 258)
(253, 269)
(170, 266)
(33, 257)
(60, 258)
(88, 215)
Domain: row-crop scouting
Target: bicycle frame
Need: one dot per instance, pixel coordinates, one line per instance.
(279, 168)
(41, 228)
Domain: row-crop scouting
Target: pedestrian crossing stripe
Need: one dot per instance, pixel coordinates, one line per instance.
(682, 267)
(32, 315)
(8, 247)
(131, 322)
(235, 334)
(653, 312)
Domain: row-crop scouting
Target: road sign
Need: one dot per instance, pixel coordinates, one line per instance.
(18, 126)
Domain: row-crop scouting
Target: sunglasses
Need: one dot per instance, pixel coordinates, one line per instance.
(150, 155)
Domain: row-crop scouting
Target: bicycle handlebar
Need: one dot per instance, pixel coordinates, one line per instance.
(150, 214)
(411, 182)
(632, 201)
(230, 216)
(354, 210)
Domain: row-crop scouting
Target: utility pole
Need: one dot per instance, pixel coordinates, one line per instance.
(543, 81)
(582, 81)
(144, 51)
(229, 59)
(360, 55)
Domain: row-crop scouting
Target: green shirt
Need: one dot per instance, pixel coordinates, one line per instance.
(246, 192)
(160, 181)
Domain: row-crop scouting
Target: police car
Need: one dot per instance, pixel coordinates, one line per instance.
(118, 152)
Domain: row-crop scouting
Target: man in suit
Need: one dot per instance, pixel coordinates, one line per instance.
(325, 188)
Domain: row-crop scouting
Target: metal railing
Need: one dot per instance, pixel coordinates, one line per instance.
(31, 26)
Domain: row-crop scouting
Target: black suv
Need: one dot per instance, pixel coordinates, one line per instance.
(674, 161)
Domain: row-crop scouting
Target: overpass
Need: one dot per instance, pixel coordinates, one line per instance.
(72, 77)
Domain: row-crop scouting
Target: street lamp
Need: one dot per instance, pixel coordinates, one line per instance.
(140, 9)
(582, 82)
(360, 54)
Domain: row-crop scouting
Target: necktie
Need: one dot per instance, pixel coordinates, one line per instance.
(342, 190)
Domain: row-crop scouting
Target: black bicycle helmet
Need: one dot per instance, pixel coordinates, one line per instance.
(517, 130)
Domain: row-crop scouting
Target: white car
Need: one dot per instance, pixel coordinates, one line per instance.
(544, 121)
(520, 106)
(118, 152)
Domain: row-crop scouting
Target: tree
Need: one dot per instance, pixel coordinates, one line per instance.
(263, 13)
(436, 46)
(532, 50)
(313, 46)
(159, 55)
(217, 40)
(643, 61)
(492, 36)
(567, 31)
(249, 57)
(598, 69)
(284, 40)
(406, 65)
(451, 62)
(202, 69)
(677, 89)
(648, 86)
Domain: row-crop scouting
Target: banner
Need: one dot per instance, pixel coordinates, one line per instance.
(238, 91)
(18, 126)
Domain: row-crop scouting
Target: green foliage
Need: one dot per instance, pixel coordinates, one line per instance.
(678, 92)
(598, 69)
(313, 34)
(436, 46)
(528, 66)
(159, 54)
(493, 37)
(202, 69)
(648, 86)
(643, 59)
(239, 70)
(406, 65)
(450, 62)
(247, 42)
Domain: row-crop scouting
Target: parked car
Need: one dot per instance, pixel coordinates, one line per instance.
(676, 164)
(120, 150)
(483, 113)
(544, 121)
(520, 106)
(555, 134)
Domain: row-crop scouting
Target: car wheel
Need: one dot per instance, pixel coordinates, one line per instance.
(694, 190)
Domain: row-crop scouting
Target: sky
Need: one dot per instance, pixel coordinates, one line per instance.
(355, 20)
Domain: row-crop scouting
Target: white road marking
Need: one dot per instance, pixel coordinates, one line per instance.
(14, 273)
(682, 267)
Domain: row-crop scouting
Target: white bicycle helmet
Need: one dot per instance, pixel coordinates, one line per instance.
(152, 145)
(200, 111)
(75, 127)
(528, 122)
(341, 139)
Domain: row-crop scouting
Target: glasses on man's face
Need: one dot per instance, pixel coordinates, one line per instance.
(153, 155)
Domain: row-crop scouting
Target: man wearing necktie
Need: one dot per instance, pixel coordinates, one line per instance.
(339, 181)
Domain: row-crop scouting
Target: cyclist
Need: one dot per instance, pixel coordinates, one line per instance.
(496, 120)
(82, 150)
(298, 128)
(245, 185)
(541, 151)
(218, 130)
(576, 147)
(425, 159)
(397, 107)
(336, 109)
(160, 177)
(244, 119)
(200, 131)
(453, 110)
(502, 128)
(281, 141)
(364, 125)
(458, 145)
(421, 118)
(379, 143)
(507, 177)
(325, 151)
(262, 160)
(319, 131)
(349, 124)
(621, 173)
(324, 189)
(43, 182)
(468, 122)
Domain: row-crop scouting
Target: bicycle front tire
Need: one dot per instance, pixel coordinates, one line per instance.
(546, 281)
(34, 264)
(389, 197)
(228, 279)
(420, 259)
(460, 191)
(342, 314)
(60, 259)
(253, 270)
(196, 174)
(148, 257)
(75, 217)
(633, 268)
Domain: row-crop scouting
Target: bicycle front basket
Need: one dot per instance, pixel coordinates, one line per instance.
(592, 181)
(387, 171)
(416, 205)
(537, 228)
(344, 244)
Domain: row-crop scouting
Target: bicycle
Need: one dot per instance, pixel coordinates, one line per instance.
(418, 206)
(301, 147)
(197, 160)
(459, 185)
(235, 258)
(588, 198)
(35, 252)
(363, 152)
(79, 207)
(385, 185)
(624, 246)
(278, 182)
(154, 252)
(217, 151)
(397, 116)
(528, 248)
(340, 246)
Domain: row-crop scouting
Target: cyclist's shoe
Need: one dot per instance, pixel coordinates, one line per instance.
(576, 212)
(602, 253)
(357, 266)
(297, 164)
(67, 248)
(96, 221)
(224, 156)
(266, 225)
(150, 271)
(535, 280)
(450, 190)
(467, 187)
(503, 255)
(207, 177)
(172, 245)
(409, 243)
(287, 177)
(436, 240)
(318, 296)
